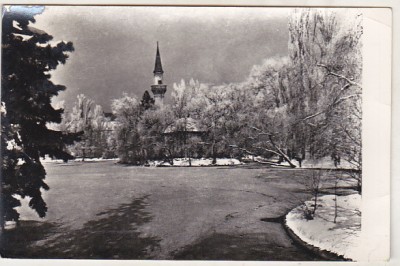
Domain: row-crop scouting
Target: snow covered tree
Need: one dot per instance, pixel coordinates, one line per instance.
(312, 33)
(308, 103)
(88, 117)
(27, 59)
(187, 112)
(81, 115)
(100, 132)
(138, 132)
(150, 127)
(263, 101)
(325, 51)
(217, 106)
(127, 109)
(184, 97)
(269, 81)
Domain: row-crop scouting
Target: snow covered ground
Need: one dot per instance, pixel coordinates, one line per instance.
(342, 237)
(198, 162)
(49, 160)
(177, 161)
(324, 163)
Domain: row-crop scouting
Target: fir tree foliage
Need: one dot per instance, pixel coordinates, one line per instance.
(27, 59)
(147, 101)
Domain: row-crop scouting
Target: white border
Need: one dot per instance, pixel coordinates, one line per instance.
(375, 181)
(376, 133)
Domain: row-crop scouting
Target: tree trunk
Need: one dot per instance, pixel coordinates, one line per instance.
(315, 202)
(214, 160)
(334, 220)
(284, 156)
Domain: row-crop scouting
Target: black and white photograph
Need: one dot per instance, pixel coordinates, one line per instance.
(197, 133)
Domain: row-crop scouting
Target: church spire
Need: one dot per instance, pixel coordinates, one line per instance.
(158, 67)
(158, 88)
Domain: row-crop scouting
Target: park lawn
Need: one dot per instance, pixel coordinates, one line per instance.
(161, 211)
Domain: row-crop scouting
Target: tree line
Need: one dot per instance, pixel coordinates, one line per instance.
(304, 105)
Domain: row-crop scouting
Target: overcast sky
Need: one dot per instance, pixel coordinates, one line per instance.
(115, 47)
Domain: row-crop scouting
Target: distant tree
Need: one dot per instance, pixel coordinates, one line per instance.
(82, 114)
(127, 110)
(101, 131)
(147, 101)
(26, 92)
(138, 132)
(267, 119)
(217, 106)
(182, 95)
(89, 117)
(270, 81)
(188, 103)
(150, 127)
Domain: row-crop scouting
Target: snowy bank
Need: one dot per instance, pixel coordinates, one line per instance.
(177, 161)
(197, 162)
(49, 160)
(322, 163)
(342, 237)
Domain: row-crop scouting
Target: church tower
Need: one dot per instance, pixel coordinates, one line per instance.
(158, 88)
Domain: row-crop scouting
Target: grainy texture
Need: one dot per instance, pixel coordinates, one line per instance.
(129, 212)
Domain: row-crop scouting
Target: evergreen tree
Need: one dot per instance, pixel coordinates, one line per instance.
(147, 101)
(27, 59)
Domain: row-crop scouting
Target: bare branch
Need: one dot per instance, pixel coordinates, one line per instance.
(339, 76)
(314, 115)
(265, 149)
(336, 102)
(354, 140)
(278, 150)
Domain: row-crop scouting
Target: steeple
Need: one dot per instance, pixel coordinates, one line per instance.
(158, 88)
(158, 67)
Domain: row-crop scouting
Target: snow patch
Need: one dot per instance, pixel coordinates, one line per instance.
(325, 162)
(3, 108)
(342, 237)
(177, 161)
(197, 162)
(11, 145)
(49, 160)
